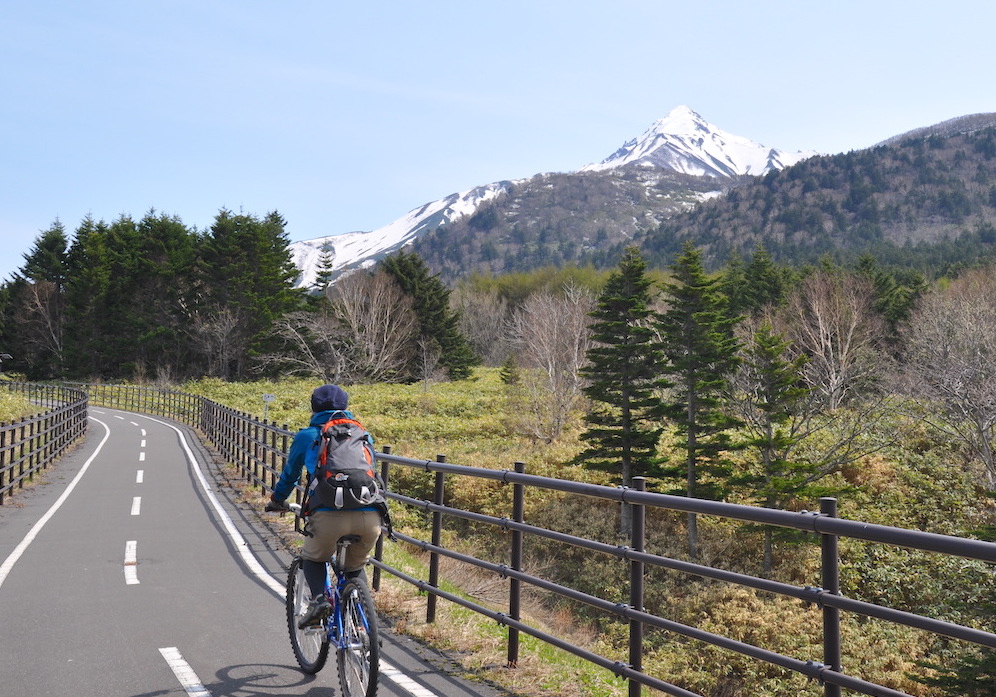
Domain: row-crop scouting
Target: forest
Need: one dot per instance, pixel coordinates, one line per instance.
(760, 382)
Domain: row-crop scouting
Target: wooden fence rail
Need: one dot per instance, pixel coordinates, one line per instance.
(30, 445)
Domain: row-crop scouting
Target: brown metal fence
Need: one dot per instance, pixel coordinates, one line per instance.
(259, 450)
(31, 444)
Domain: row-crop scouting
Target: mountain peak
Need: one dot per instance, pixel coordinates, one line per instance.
(686, 143)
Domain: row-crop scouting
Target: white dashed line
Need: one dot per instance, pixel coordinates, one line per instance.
(142, 444)
(136, 505)
(184, 673)
(140, 476)
(141, 456)
(131, 562)
(277, 586)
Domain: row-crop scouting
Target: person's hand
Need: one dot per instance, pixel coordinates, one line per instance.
(273, 505)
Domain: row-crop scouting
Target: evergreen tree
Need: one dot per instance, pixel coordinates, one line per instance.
(623, 364)
(439, 331)
(896, 291)
(248, 278)
(773, 404)
(34, 309)
(323, 278)
(701, 353)
(47, 259)
(751, 287)
(164, 287)
(87, 286)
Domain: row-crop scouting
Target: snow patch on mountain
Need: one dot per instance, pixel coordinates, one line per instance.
(356, 250)
(684, 142)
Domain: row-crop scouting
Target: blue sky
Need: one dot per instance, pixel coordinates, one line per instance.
(345, 116)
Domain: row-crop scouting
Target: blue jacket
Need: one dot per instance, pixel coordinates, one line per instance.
(304, 444)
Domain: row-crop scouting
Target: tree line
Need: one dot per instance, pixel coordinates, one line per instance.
(152, 299)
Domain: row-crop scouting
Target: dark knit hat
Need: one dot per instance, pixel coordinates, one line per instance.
(328, 397)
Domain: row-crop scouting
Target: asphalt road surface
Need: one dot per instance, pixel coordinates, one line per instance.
(129, 572)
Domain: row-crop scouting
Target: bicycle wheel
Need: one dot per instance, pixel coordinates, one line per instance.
(311, 645)
(358, 660)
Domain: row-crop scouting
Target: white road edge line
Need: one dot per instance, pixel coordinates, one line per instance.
(36, 528)
(403, 681)
(279, 587)
(184, 673)
(131, 563)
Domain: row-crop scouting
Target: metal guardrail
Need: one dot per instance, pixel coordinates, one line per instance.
(259, 450)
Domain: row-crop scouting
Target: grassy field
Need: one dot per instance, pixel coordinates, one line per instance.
(14, 407)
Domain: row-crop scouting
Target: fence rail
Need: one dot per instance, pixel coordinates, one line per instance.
(31, 444)
(259, 450)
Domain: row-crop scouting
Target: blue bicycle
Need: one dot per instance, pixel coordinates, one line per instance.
(351, 627)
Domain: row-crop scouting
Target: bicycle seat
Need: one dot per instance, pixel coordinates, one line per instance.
(349, 539)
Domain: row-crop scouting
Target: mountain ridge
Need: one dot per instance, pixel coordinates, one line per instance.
(682, 143)
(825, 203)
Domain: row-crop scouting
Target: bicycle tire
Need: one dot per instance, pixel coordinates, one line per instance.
(311, 645)
(359, 660)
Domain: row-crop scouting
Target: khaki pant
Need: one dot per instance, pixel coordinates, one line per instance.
(326, 527)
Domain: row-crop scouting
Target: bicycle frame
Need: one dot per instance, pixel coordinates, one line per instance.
(350, 628)
(334, 625)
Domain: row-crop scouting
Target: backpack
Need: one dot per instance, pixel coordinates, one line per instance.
(345, 477)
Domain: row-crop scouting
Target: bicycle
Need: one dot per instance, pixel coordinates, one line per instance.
(351, 627)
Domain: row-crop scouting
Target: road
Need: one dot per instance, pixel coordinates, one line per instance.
(129, 571)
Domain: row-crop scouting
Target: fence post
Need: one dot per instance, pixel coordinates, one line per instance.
(515, 585)
(638, 543)
(385, 478)
(4, 459)
(437, 529)
(831, 584)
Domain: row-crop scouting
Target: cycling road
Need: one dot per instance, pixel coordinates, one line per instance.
(129, 571)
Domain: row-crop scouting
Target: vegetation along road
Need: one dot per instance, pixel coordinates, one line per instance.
(130, 573)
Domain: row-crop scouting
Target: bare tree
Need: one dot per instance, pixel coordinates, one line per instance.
(552, 338)
(379, 321)
(215, 336)
(951, 360)
(42, 322)
(831, 319)
(316, 346)
(484, 320)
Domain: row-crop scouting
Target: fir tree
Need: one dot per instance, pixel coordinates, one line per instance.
(248, 276)
(701, 353)
(438, 325)
(623, 364)
(87, 287)
(47, 259)
(323, 277)
(773, 405)
(34, 309)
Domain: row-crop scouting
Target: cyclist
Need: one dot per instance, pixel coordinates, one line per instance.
(324, 526)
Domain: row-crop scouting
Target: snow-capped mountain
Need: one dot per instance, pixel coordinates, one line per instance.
(681, 142)
(684, 142)
(355, 250)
